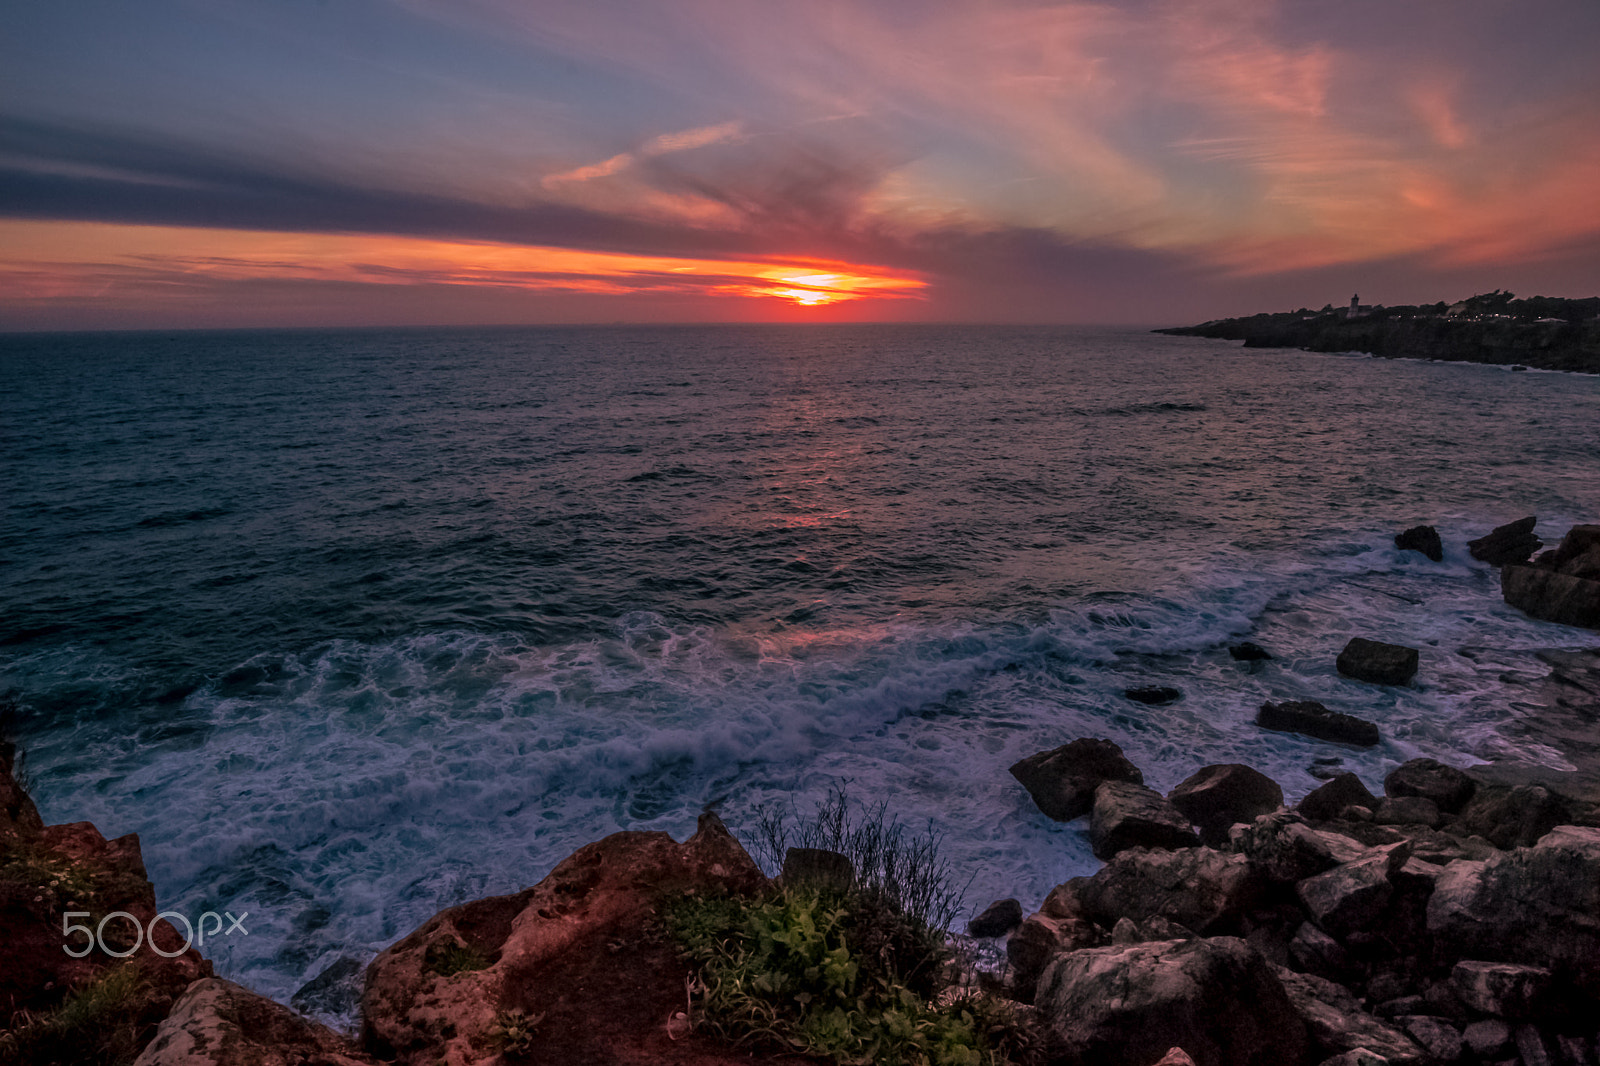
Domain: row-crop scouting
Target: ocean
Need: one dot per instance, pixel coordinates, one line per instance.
(351, 626)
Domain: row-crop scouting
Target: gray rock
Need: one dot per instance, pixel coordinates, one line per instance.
(1350, 897)
(1216, 797)
(1323, 803)
(1446, 786)
(1314, 720)
(1513, 542)
(1249, 652)
(1487, 1038)
(1439, 1037)
(1515, 817)
(1201, 889)
(1125, 932)
(997, 919)
(1377, 662)
(1424, 539)
(334, 991)
(1503, 989)
(1037, 941)
(1551, 596)
(1062, 781)
(1126, 815)
(1217, 999)
(1287, 850)
(1338, 1024)
(1407, 810)
(1318, 953)
(1531, 1046)
(1401, 1007)
(218, 1023)
(1536, 906)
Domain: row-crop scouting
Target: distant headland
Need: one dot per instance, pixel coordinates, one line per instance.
(1547, 332)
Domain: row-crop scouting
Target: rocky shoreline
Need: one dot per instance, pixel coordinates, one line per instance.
(1453, 919)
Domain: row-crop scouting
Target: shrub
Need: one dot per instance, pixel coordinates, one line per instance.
(103, 1022)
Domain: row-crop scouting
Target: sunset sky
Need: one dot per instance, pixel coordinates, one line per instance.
(172, 163)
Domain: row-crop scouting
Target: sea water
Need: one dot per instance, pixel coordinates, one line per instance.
(353, 626)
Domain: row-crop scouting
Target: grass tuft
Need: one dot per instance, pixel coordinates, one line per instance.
(98, 1024)
(449, 957)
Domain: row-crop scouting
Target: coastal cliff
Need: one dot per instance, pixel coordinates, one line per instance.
(1545, 333)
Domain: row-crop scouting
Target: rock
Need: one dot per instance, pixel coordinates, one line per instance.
(1446, 786)
(1551, 596)
(1201, 889)
(335, 991)
(1487, 1038)
(1287, 850)
(524, 946)
(818, 867)
(1350, 897)
(1531, 1046)
(1316, 952)
(1038, 940)
(1217, 999)
(1249, 652)
(1440, 1038)
(997, 919)
(1337, 1023)
(19, 818)
(1154, 695)
(1574, 551)
(1397, 1008)
(1324, 803)
(1315, 720)
(1537, 906)
(1357, 1057)
(1377, 662)
(1175, 1057)
(1503, 989)
(1357, 813)
(1062, 781)
(1407, 810)
(1416, 875)
(1325, 769)
(1126, 816)
(1424, 539)
(1215, 797)
(1513, 542)
(1125, 932)
(1515, 817)
(217, 1023)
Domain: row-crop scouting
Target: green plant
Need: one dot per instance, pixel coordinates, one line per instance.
(449, 957)
(513, 1032)
(100, 1023)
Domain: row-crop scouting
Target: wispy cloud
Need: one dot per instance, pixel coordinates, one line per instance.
(664, 144)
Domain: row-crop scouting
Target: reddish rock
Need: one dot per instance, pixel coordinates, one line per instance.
(1215, 797)
(1126, 815)
(217, 1023)
(1199, 888)
(1552, 596)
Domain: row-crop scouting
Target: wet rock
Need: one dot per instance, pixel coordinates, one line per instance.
(1537, 906)
(1315, 720)
(819, 868)
(1325, 769)
(1575, 552)
(1513, 817)
(1503, 989)
(1513, 542)
(1424, 539)
(1377, 662)
(1324, 803)
(997, 919)
(1217, 999)
(1249, 652)
(1216, 797)
(1062, 780)
(1440, 1038)
(1552, 596)
(1126, 815)
(1446, 786)
(334, 991)
(1487, 1038)
(1154, 695)
(1201, 889)
(1337, 1023)
(1407, 810)
(217, 1023)
(1350, 897)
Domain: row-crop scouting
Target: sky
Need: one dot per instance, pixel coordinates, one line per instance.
(218, 163)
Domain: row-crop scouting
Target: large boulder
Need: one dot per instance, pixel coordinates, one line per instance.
(1424, 539)
(1315, 720)
(1325, 802)
(217, 1023)
(1337, 1023)
(1287, 850)
(1537, 906)
(1126, 815)
(1215, 797)
(1513, 542)
(446, 990)
(1350, 897)
(1377, 662)
(1038, 940)
(1062, 780)
(1503, 989)
(997, 919)
(1199, 888)
(1447, 787)
(1513, 817)
(1218, 999)
(1552, 596)
(1407, 810)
